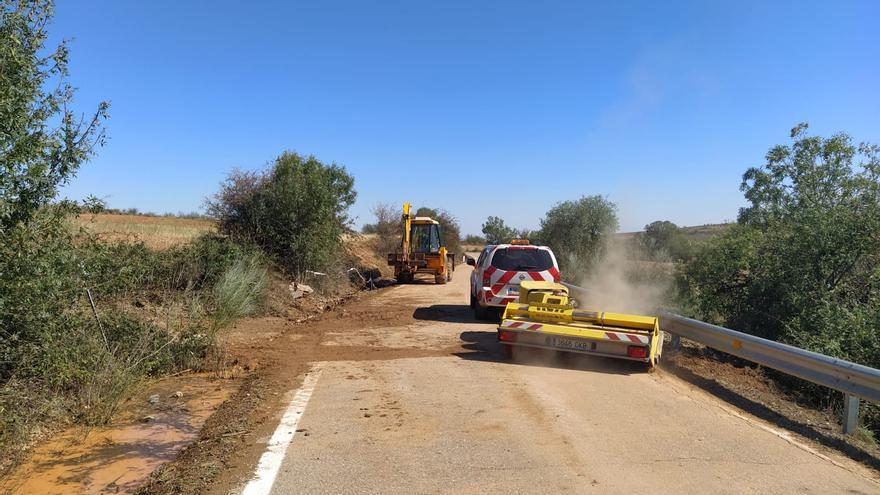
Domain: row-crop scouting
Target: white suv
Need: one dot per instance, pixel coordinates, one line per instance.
(499, 270)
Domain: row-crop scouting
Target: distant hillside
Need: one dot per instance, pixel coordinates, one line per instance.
(702, 233)
(697, 233)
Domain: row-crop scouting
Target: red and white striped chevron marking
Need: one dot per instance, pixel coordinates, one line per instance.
(522, 325)
(626, 337)
(499, 279)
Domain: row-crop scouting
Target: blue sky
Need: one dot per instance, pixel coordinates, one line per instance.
(481, 108)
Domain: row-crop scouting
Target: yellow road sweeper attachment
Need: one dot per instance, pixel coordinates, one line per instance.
(545, 318)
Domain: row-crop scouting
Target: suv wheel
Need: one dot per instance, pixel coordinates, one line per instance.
(480, 312)
(506, 351)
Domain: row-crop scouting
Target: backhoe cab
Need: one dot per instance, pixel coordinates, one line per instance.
(421, 250)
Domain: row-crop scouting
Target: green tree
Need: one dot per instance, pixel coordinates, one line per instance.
(42, 141)
(533, 236)
(296, 211)
(802, 265)
(663, 240)
(577, 230)
(448, 226)
(496, 232)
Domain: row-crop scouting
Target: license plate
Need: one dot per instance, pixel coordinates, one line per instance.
(564, 343)
(512, 292)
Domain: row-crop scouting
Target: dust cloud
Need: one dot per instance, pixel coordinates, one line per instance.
(622, 282)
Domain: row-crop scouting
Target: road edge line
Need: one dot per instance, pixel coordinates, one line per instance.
(276, 448)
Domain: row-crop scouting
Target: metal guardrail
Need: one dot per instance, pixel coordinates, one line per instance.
(849, 378)
(854, 380)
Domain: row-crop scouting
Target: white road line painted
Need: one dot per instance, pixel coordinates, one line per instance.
(270, 461)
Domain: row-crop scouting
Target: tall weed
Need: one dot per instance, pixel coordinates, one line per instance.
(240, 291)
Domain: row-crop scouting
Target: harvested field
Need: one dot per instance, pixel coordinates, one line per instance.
(156, 232)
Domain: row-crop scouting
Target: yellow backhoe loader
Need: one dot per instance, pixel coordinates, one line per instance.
(422, 250)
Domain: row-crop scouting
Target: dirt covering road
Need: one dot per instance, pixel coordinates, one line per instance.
(413, 397)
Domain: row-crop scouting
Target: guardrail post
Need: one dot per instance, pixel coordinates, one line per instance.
(850, 413)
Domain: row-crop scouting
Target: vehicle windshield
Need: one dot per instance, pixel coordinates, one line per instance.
(425, 238)
(522, 260)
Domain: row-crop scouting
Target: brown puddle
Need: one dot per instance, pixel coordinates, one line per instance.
(117, 457)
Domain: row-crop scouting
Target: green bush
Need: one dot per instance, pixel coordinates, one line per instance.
(296, 211)
(57, 351)
(801, 265)
(473, 240)
(663, 240)
(202, 263)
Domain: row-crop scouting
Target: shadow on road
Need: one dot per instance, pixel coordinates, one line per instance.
(483, 346)
(453, 313)
(421, 279)
(761, 411)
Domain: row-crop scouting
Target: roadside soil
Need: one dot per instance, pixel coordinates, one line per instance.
(276, 352)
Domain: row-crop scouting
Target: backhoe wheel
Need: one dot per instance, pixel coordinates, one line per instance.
(405, 278)
(440, 279)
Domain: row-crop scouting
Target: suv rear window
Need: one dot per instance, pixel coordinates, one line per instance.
(522, 260)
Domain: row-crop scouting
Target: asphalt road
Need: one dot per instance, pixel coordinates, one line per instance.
(470, 422)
